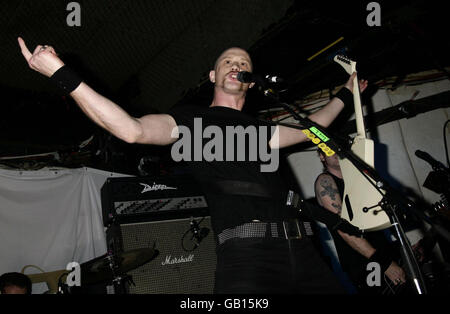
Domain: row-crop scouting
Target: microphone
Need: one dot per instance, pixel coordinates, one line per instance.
(199, 233)
(248, 77)
(433, 162)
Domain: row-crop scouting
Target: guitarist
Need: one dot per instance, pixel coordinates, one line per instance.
(354, 252)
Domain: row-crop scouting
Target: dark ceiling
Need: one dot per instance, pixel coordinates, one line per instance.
(147, 55)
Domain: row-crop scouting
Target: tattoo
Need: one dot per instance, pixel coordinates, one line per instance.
(338, 207)
(328, 189)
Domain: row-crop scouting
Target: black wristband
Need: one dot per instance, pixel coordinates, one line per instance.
(66, 79)
(345, 95)
(347, 227)
(383, 259)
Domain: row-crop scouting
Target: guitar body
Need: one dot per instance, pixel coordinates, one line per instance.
(359, 193)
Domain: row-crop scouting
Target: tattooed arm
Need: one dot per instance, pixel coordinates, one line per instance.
(327, 195)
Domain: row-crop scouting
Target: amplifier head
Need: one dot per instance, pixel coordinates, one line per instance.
(134, 199)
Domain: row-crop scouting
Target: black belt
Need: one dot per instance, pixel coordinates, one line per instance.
(287, 229)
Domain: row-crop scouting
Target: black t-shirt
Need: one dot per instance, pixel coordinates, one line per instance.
(230, 210)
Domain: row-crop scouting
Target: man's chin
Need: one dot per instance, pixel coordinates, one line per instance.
(234, 87)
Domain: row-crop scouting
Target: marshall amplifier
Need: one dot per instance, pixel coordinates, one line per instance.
(138, 199)
(186, 260)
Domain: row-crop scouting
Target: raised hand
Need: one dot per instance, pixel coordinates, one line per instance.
(43, 59)
(362, 83)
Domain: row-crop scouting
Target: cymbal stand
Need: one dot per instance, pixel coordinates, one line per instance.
(118, 280)
(406, 250)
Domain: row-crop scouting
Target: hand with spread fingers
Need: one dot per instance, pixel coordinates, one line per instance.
(43, 59)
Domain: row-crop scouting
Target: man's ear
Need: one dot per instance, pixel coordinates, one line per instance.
(212, 76)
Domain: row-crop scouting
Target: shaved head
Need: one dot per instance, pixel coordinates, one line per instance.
(233, 51)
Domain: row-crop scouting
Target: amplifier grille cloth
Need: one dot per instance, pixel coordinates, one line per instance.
(174, 270)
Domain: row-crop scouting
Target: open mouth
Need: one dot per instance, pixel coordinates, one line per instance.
(233, 75)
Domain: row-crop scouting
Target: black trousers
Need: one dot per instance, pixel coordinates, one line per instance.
(273, 266)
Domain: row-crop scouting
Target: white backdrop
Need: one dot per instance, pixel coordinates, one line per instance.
(49, 218)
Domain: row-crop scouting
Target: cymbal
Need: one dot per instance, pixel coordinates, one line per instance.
(99, 269)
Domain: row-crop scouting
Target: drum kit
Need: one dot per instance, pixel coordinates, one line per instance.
(108, 269)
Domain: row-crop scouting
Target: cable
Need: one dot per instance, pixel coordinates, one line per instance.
(191, 229)
(182, 241)
(60, 283)
(445, 143)
(25, 267)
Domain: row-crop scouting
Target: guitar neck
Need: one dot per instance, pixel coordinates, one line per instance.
(360, 129)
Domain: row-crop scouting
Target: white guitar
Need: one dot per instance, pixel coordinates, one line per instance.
(360, 200)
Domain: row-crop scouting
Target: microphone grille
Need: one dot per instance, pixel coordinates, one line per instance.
(244, 77)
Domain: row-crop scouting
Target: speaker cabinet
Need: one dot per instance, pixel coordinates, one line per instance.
(186, 261)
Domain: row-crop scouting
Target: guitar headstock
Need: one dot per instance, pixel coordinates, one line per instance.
(348, 65)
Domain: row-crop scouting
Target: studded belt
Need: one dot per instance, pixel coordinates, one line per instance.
(287, 229)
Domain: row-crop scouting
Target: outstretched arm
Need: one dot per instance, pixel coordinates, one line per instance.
(323, 117)
(150, 129)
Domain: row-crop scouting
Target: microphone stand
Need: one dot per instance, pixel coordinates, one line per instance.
(391, 201)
